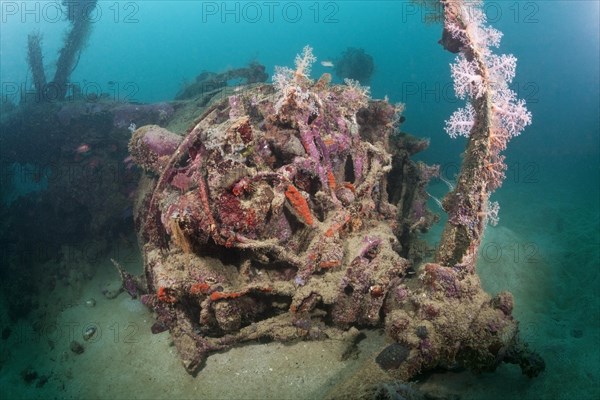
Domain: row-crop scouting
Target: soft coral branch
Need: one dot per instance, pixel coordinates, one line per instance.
(461, 122)
(467, 82)
(510, 115)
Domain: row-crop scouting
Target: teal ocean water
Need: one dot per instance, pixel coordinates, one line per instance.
(545, 249)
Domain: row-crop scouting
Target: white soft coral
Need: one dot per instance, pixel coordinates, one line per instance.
(467, 82)
(304, 62)
(461, 122)
(295, 85)
(477, 72)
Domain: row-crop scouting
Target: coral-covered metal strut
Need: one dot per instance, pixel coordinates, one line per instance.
(490, 119)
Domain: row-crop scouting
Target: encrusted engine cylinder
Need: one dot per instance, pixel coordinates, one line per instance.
(271, 214)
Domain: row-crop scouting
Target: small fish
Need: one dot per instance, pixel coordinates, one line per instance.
(328, 64)
(83, 148)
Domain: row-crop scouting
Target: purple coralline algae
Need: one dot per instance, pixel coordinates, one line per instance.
(151, 147)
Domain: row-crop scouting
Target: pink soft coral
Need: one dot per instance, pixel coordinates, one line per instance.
(509, 115)
(461, 122)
